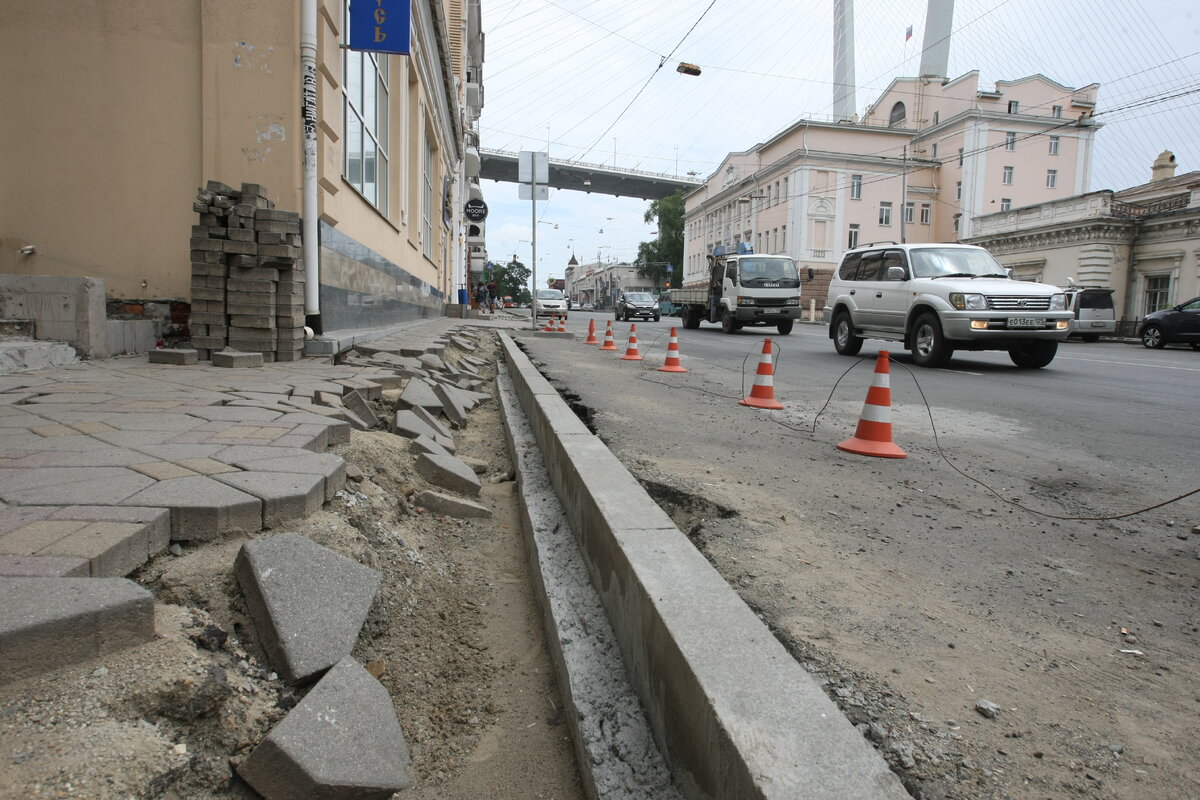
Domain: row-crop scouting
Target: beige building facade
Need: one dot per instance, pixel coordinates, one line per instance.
(116, 111)
(1142, 242)
(923, 161)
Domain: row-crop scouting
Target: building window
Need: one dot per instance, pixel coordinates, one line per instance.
(898, 114)
(934, 151)
(856, 187)
(775, 238)
(936, 117)
(957, 217)
(958, 190)
(1006, 204)
(785, 188)
(777, 197)
(1056, 112)
(960, 156)
(1014, 107)
(365, 114)
(1053, 145)
(1051, 178)
(852, 239)
(783, 239)
(427, 206)
(910, 210)
(885, 213)
(1008, 176)
(926, 213)
(1158, 292)
(1010, 141)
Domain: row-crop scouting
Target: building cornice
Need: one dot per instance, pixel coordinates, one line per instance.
(1107, 230)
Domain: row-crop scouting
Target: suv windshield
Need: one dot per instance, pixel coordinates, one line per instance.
(944, 262)
(638, 297)
(779, 272)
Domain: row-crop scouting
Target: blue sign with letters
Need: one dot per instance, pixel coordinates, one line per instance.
(380, 26)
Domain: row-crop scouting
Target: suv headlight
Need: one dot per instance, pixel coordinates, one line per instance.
(1058, 302)
(745, 301)
(971, 302)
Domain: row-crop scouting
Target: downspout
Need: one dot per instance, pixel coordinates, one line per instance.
(308, 95)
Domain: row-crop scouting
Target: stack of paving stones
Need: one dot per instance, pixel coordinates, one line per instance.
(101, 470)
(247, 274)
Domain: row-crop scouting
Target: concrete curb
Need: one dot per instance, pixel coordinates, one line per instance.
(734, 714)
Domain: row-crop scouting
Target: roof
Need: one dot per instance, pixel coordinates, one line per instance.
(1179, 182)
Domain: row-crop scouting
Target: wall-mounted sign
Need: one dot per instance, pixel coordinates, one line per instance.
(475, 210)
(380, 26)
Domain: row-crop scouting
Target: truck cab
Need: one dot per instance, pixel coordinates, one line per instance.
(743, 289)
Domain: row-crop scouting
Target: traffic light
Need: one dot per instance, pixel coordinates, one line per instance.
(687, 69)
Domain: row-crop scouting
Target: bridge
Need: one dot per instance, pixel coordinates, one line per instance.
(501, 165)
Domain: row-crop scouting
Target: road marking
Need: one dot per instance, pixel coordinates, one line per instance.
(1130, 363)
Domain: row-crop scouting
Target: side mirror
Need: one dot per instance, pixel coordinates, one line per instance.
(895, 273)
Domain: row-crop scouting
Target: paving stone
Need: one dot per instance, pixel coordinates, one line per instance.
(307, 602)
(341, 741)
(456, 507)
(330, 467)
(424, 444)
(44, 567)
(286, 496)
(453, 407)
(235, 358)
(369, 389)
(418, 394)
(432, 362)
(433, 422)
(113, 549)
(52, 622)
(202, 508)
(409, 425)
(71, 486)
(448, 472)
(174, 356)
(360, 410)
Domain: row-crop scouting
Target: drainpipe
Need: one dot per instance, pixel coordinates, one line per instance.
(308, 96)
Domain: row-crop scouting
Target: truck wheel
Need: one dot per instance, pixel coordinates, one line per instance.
(844, 340)
(728, 323)
(929, 343)
(1033, 355)
(691, 320)
(785, 327)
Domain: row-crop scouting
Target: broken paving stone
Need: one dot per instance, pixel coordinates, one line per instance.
(988, 709)
(353, 473)
(355, 401)
(418, 394)
(456, 507)
(408, 424)
(423, 444)
(448, 472)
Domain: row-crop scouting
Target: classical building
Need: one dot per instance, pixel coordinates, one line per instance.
(926, 158)
(1142, 242)
(600, 283)
(117, 112)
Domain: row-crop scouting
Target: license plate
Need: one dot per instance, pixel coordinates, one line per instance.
(770, 310)
(1026, 322)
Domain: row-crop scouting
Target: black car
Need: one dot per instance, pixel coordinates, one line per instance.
(1180, 323)
(637, 304)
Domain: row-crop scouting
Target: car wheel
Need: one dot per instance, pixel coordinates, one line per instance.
(657, 317)
(1090, 337)
(728, 323)
(844, 340)
(1034, 355)
(1153, 337)
(929, 347)
(785, 327)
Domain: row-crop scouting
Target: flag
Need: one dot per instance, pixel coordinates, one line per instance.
(908, 34)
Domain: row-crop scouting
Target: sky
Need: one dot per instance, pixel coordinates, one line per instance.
(595, 81)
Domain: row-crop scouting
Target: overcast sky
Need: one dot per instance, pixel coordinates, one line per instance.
(581, 78)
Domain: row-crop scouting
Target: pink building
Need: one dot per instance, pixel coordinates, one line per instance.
(924, 160)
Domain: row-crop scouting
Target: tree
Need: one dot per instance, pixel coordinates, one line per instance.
(512, 280)
(667, 250)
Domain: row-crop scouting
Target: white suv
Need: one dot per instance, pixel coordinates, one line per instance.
(938, 298)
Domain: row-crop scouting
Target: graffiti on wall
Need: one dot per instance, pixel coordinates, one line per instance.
(248, 56)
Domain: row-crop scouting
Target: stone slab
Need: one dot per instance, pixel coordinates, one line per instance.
(179, 356)
(52, 622)
(357, 404)
(233, 358)
(286, 496)
(331, 468)
(341, 741)
(452, 405)
(409, 425)
(307, 602)
(202, 508)
(44, 567)
(451, 506)
(433, 422)
(423, 444)
(448, 472)
(418, 394)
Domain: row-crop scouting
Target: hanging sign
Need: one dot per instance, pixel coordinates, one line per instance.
(380, 26)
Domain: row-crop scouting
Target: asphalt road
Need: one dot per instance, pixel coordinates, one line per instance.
(974, 567)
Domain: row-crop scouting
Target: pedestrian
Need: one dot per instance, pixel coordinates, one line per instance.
(481, 297)
(491, 288)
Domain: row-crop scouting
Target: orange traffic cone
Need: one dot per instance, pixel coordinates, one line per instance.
(762, 393)
(631, 351)
(609, 344)
(672, 363)
(874, 434)
(549, 325)
(562, 324)
(591, 339)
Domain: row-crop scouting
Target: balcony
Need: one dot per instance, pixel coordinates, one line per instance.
(820, 255)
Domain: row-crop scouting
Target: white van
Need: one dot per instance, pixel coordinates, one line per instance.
(1094, 312)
